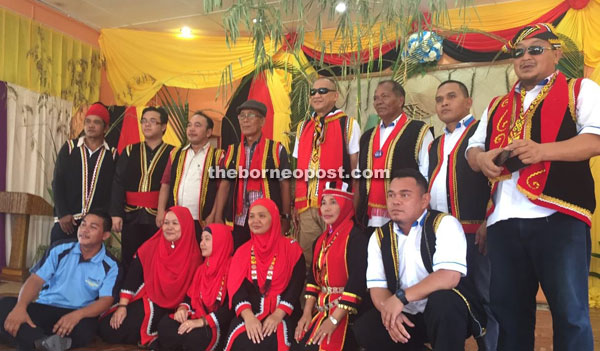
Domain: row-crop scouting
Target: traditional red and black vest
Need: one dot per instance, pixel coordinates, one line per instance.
(209, 186)
(401, 150)
(386, 238)
(567, 187)
(331, 153)
(467, 191)
(142, 179)
(271, 187)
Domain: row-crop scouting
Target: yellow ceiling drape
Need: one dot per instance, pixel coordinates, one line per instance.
(43, 60)
(138, 63)
(583, 26)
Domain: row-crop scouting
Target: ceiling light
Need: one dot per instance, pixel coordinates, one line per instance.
(340, 7)
(186, 32)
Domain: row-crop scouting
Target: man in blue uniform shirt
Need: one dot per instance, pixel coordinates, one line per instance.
(74, 282)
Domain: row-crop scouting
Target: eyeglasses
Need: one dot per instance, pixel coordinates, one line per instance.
(321, 91)
(149, 121)
(532, 50)
(247, 116)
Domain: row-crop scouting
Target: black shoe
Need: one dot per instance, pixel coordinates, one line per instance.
(53, 343)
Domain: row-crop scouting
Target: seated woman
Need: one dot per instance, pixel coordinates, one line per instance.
(265, 282)
(337, 282)
(204, 314)
(156, 283)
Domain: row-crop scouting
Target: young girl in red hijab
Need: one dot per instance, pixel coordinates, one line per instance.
(337, 281)
(204, 315)
(156, 283)
(265, 281)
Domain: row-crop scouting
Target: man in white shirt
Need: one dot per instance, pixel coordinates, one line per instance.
(458, 190)
(415, 265)
(397, 142)
(534, 144)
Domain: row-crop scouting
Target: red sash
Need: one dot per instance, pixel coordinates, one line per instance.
(148, 199)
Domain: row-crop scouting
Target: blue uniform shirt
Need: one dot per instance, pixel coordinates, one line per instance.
(72, 282)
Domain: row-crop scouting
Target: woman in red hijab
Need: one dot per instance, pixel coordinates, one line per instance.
(265, 282)
(156, 282)
(204, 314)
(337, 281)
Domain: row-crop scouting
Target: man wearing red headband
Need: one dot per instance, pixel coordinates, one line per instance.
(534, 145)
(83, 174)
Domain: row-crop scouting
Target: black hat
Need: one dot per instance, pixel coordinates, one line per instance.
(253, 105)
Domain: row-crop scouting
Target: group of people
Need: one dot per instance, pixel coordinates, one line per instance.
(453, 243)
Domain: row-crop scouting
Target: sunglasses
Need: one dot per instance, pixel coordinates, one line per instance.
(532, 50)
(321, 91)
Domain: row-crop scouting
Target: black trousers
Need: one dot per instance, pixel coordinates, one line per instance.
(170, 340)
(44, 317)
(57, 233)
(129, 331)
(444, 324)
(132, 237)
(241, 234)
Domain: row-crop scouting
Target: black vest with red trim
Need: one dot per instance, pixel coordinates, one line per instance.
(208, 187)
(136, 165)
(386, 238)
(406, 155)
(569, 186)
(272, 185)
(467, 191)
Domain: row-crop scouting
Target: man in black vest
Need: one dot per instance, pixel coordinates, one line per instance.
(83, 174)
(136, 184)
(415, 265)
(396, 142)
(253, 155)
(458, 190)
(534, 145)
(186, 181)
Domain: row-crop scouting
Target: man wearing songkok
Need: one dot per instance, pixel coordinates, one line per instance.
(327, 141)
(396, 142)
(458, 190)
(254, 154)
(136, 184)
(534, 145)
(71, 285)
(83, 174)
(414, 273)
(186, 181)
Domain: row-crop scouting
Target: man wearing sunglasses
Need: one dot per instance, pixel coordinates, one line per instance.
(328, 141)
(534, 145)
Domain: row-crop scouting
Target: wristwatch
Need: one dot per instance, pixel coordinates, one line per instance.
(401, 295)
(333, 320)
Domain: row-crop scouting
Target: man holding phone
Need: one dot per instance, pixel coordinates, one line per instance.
(546, 128)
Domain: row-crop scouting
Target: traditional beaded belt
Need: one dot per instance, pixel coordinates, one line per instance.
(332, 290)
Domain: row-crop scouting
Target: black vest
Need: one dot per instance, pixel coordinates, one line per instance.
(208, 192)
(471, 190)
(274, 188)
(133, 172)
(386, 239)
(569, 185)
(406, 155)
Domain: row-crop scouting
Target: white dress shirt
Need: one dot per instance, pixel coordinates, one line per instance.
(450, 253)
(191, 180)
(509, 201)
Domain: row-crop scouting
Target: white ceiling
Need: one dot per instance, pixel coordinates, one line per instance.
(163, 15)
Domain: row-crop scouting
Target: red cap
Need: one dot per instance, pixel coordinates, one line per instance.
(100, 111)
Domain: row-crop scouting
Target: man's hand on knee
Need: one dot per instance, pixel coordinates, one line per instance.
(15, 318)
(66, 323)
(398, 331)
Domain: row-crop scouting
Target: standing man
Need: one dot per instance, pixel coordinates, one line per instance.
(254, 154)
(136, 185)
(414, 270)
(327, 141)
(83, 174)
(456, 189)
(396, 143)
(534, 144)
(185, 181)
(71, 285)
